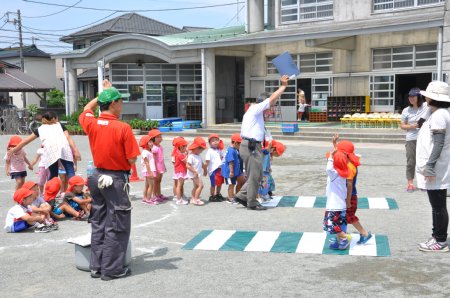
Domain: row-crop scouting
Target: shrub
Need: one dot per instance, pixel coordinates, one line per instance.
(55, 98)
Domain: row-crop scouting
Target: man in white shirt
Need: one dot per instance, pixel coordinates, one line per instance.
(252, 133)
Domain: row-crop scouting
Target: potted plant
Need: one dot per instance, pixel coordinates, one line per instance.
(135, 125)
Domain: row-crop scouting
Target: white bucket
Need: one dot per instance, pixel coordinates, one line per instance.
(83, 256)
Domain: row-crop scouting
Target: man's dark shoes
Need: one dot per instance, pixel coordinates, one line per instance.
(257, 208)
(95, 274)
(242, 202)
(125, 273)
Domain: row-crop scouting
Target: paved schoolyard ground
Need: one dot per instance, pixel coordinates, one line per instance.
(43, 264)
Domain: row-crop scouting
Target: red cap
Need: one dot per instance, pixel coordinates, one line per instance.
(14, 141)
(143, 142)
(236, 138)
(52, 188)
(348, 148)
(181, 143)
(74, 181)
(340, 162)
(221, 145)
(153, 133)
(198, 142)
(21, 194)
(279, 147)
(213, 135)
(29, 185)
(176, 140)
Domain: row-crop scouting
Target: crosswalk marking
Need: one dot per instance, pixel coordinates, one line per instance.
(285, 242)
(320, 202)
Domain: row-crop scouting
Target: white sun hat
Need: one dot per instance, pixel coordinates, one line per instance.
(437, 90)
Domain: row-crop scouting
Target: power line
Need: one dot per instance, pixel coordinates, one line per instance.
(12, 37)
(69, 29)
(136, 10)
(40, 45)
(50, 34)
(52, 14)
(235, 16)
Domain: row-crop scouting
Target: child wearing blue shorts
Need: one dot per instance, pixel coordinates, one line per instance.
(231, 167)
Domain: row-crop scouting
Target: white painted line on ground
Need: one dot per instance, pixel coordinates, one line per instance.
(174, 211)
(378, 203)
(305, 202)
(215, 240)
(263, 241)
(311, 243)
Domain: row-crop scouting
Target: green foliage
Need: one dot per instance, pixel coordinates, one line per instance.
(82, 101)
(55, 98)
(33, 108)
(142, 124)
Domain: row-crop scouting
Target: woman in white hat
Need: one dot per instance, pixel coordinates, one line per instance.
(433, 162)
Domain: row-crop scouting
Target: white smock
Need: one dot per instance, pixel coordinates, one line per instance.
(55, 144)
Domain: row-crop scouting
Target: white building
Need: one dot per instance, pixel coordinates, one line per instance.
(377, 48)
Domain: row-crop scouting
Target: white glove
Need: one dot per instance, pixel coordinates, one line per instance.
(104, 181)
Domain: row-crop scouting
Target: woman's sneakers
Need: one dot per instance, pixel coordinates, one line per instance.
(410, 188)
(433, 245)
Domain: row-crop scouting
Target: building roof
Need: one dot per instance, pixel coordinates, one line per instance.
(4, 64)
(127, 23)
(92, 74)
(192, 28)
(14, 80)
(28, 51)
(203, 36)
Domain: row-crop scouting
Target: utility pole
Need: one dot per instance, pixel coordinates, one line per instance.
(22, 64)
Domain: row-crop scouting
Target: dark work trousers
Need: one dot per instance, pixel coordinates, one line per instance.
(438, 201)
(253, 171)
(110, 220)
(410, 159)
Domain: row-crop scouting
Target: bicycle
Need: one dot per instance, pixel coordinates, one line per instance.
(26, 123)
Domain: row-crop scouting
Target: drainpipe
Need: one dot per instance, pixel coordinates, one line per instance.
(439, 55)
(203, 89)
(100, 65)
(66, 86)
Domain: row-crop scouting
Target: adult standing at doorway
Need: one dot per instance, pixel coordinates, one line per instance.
(114, 149)
(253, 134)
(433, 162)
(411, 122)
(301, 101)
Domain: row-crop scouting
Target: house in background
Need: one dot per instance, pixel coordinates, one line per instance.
(38, 65)
(127, 23)
(377, 48)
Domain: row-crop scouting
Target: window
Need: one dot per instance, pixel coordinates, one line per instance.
(154, 94)
(321, 88)
(404, 57)
(315, 62)
(190, 92)
(127, 72)
(382, 91)
(305, 10)
(379, 5)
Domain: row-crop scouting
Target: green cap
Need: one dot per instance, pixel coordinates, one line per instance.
(111, 94)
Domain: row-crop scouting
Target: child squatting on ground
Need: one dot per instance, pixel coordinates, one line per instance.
(348, 148)
(20, 216)
(15, 164)
(148, 169)
(60, 206)
(196, 168)
(77, 198)
(39, 206)
(213, 159)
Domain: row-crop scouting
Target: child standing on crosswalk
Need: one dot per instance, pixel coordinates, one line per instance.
(348, 148)
(335, 220)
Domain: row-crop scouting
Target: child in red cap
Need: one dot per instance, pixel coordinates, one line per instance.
(196, 168)
(180, 170)
(175, 151)
(39, 206)
(335, 219)
(75, 196)
(16, 162)
(231, 167)
(20, 217)
(148, 170)
(60, 207)
(274, 149)
(158, 153)
(348, 148)
(213, 158)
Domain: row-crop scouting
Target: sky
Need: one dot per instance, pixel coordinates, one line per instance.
(47, 23)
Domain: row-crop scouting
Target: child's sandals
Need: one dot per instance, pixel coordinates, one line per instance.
(197, 202)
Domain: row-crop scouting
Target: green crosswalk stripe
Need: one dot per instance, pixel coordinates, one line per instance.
(287, 242)
(392, 203)
(363, 203)
(238, 241)
(287, 201)
(320, 202)
(197, 239)
(383, 249)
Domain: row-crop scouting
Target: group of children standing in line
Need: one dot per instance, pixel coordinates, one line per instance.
(222, 166)
(40, 204)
